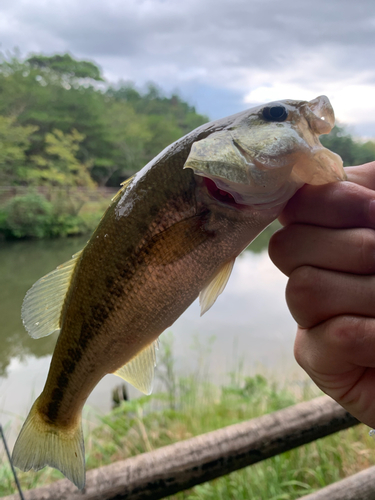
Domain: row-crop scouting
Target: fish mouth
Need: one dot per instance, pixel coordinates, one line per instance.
(220, 194)
(320, 115)
(326, 166)
(244, 199)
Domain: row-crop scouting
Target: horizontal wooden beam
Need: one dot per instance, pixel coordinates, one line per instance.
(179, 466)
(360, 486)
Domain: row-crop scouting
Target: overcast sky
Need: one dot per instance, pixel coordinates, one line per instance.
(221, 55)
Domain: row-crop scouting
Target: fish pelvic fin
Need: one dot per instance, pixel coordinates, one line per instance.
(40, 443)
(215, 287)
(140, 370)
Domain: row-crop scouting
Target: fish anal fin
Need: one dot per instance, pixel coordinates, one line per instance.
(215, 287)
(42, 305)
(140, 370)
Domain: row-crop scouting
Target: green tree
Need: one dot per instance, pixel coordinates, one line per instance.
(14, 142)
(159, 120)
(59, 165)
(66, 69)
(352, 152)
(127, 134)
(123, 128)
(40, 95)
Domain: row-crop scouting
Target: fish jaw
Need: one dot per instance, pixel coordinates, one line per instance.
(324, 165)
(263, 163)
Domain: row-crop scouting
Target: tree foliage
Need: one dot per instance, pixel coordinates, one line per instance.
(14, 142)
(59, 166)
(66, 67)
(352, 152)
(121, 128)
(62, 126)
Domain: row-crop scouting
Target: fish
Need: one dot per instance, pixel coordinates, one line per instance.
(172, 233)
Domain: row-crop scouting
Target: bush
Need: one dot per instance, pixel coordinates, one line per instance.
(27, 216)
(32, 215)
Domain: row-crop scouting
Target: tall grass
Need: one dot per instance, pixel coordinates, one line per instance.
(190, 405)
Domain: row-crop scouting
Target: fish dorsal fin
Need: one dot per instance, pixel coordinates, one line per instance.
(139, 372)
(124, 185)
(215, 287)
(42, 305)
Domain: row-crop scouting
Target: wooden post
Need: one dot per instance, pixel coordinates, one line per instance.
(360, 486)
(179, 466)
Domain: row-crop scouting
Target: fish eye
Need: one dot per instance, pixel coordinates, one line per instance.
(277, 113)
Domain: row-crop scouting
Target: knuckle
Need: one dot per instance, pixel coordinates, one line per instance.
(302, 293)
(278, 240)
(365, 249)
(279, 249)
(353, 200)
(344, 332)
(275, 245)
(302, 282)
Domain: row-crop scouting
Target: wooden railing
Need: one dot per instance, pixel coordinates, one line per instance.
(179, 466)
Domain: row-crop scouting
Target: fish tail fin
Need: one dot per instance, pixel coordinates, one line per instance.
(40, 443)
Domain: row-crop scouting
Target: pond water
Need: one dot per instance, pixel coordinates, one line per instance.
(249, 325)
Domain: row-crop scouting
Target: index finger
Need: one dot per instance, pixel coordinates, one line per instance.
(345, 204)
(364, 175)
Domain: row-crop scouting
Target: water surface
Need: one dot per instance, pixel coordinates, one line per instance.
(250, 325)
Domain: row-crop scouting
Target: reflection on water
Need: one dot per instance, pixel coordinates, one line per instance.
(21, 264)
(250, 322)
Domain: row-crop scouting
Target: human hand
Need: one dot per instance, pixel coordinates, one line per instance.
(327, 249)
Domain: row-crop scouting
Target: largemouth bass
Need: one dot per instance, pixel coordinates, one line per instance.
(171, 234)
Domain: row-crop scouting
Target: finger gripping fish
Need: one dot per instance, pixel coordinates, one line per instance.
(171, 234)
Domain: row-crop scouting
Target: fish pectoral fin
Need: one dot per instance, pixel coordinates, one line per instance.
(140, 371)
(42, 305)
(215, 287)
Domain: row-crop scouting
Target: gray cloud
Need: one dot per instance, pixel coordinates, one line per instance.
(235, 45)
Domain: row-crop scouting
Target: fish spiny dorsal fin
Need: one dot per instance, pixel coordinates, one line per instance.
(42, 305)
(139, 372)
(124, 185)
(215, 287)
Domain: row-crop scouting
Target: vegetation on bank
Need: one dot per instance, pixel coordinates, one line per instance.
(353, 152)
(189, 406)
(48, 214)
(62, 125)
(65, 131)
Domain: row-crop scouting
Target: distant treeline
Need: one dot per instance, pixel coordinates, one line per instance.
(64, 131)
(353, 152)
(61, 124)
